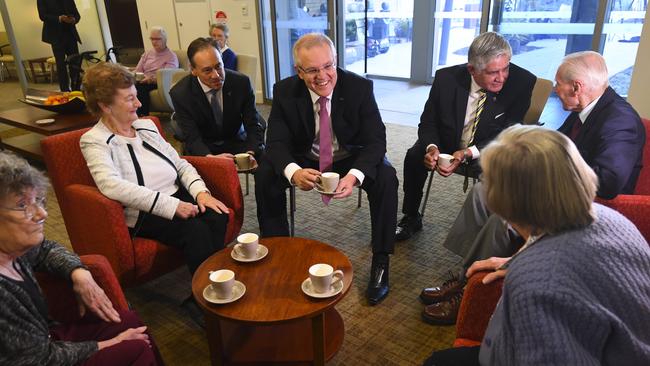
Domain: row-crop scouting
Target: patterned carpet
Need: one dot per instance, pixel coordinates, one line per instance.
(388, 334)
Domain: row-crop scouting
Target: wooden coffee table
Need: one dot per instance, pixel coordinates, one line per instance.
(24, 118)
(274, 322)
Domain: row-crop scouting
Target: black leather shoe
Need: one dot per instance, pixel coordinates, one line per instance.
(378, 285)
(408, 226)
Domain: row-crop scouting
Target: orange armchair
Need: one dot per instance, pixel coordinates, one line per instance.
(96, 225)
(61, 301)
(479, 300)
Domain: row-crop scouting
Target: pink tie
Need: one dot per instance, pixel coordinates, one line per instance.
(325, 143)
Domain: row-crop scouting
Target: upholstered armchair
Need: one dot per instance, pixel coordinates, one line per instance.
(96, 225)
(479, 300)
(61, 301)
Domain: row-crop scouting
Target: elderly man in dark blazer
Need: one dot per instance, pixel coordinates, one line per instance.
(59, 18)
(610, 137)
(326, 119)
(215, 108)
(468, 106)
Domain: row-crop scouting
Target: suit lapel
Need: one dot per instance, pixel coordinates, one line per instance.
(462, 94)
(305, 109)
(338, 105)
(589, 123)
(197, 92)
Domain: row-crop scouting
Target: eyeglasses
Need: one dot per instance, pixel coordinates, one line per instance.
(313, 71)
(29, 209)
(155, 38)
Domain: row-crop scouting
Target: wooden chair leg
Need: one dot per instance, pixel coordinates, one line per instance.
(359, 198)
(247, 184)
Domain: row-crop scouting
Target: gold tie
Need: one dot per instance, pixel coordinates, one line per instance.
(482, 96)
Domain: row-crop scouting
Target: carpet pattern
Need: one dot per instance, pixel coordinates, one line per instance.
(387, 334)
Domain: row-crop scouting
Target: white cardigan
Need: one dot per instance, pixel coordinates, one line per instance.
(114, 171)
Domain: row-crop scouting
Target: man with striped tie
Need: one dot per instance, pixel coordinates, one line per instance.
(468, 106)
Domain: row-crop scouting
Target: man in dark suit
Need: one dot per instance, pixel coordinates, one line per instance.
(610, 137)
(215, 108)
(326, 119)
(59, 18)
(452, 122)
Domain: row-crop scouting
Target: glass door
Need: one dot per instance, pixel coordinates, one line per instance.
(283, 22)
(456, 23)
(378, 37)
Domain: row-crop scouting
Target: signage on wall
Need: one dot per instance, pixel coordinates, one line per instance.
(221, 17)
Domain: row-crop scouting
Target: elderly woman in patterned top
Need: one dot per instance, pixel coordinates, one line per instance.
(103, 336)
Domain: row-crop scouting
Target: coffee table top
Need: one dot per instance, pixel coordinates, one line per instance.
(25, 117)
(273, 292)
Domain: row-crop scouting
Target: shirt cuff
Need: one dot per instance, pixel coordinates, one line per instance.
(430, 145)
(358, 174)
(290, 170)
(475, 153)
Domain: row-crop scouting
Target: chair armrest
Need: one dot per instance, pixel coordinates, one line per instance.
(3, 46)
(96, 225)
(635, 207)
(220, 176)
(476, 308)
(61, 300)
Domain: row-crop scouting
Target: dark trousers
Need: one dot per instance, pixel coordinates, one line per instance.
(66, 47)
(90, 327)
(460, 356)
(198, 237)
(143, 90)
(415, 175)
(233, 146)
(270, 194)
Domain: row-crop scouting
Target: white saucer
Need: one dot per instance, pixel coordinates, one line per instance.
(45, 121)
(238, 290)
(309, 291)
(262, 251)
(325, 193)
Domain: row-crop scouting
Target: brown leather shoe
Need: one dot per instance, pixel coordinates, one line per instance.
(450, 287)
(443, 313)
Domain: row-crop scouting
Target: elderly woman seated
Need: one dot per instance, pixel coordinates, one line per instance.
(221, 33)
(103, 336)
(577, 292)
(159, 57)
(164, 197)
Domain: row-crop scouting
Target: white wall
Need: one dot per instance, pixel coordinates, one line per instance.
(28, 28)
(243, 32)
(638, 94)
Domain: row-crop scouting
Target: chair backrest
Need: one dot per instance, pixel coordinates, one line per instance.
(541, 91)
(183, 61)
(643, 183)
(65, 162)
(4, 40)
(247, 65)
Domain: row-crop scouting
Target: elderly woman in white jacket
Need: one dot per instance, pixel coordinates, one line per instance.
(164, 197)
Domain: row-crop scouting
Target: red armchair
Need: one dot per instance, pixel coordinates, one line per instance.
(479, 300)
(96, 225)
(61, 301)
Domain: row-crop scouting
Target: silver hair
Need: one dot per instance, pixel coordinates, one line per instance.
(224, 28)
(161, 30)
(16, 175)
(588, 67)
(310, 40)
(486, 47)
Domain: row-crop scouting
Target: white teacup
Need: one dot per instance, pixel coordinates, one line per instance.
(222, 282)
(323, 277)
(445, 160)
(247, 245)
(328, 182)
(139, 76)
(243, 161)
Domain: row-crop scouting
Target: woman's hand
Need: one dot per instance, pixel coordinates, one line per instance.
(127, 335)
(185, 210)
(91, 296)
(205, 199)
(490, 264)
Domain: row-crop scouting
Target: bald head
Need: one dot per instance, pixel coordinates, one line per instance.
(581, 78)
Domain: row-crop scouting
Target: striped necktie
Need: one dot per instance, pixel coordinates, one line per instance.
(482, 96)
